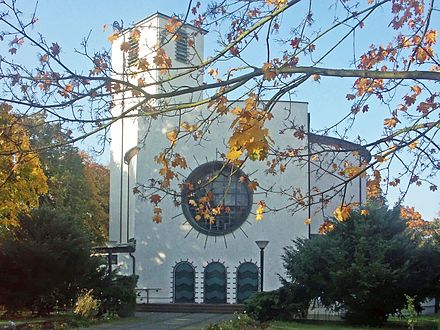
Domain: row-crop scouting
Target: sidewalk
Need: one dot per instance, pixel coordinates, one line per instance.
(166, 321)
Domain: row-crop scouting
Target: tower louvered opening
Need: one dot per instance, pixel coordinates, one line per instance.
(182, 52)
(133, 54)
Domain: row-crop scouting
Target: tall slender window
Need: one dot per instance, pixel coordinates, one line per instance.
(215, 283)
(184, 283)
(247, 281)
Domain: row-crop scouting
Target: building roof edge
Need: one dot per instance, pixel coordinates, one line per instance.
(343, 144)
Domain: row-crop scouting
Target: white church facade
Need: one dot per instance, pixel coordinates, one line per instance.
(184, 259)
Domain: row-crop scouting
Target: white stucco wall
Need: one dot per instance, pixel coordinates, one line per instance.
(161, 246)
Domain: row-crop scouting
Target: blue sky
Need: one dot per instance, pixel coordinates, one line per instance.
(68, 22)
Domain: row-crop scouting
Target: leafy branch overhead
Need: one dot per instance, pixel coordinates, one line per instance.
(265, 52)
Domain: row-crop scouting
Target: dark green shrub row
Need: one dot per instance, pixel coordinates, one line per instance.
(287, 303)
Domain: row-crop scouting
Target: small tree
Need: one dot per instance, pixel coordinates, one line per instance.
(365, 266)
(43, 261)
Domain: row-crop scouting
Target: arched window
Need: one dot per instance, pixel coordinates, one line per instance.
(184, 283)
(247, 281)
(215, 283)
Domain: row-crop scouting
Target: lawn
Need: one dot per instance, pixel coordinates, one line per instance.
(424, 322)
(62, 320)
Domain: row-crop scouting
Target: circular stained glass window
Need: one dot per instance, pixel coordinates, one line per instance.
(216, 199)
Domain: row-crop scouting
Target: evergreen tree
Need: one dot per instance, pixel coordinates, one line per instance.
(364, 266)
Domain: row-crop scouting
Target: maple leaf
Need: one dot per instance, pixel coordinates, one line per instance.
(431, 37)
(157, 218)
(260, 210)
(155, 199)
(142, 64)
(234, 154)
(253, 185)
(213, 72)
(13, 50)
(173, 24)
(268, 72)
(44, 58)
(308, 221)
(316, 77)
(391, 122)
(66, 91)
(179, 161)
(125, 46)
(172, 136)
(112, 37)
(326, 227)
(342, 213)
(364, 212)
(135, 34)
(295, 42)
(55, 49)
(188, 127)
(416, 89)
(276, 3)
(413, 145)
(350, 97)
(162, 60)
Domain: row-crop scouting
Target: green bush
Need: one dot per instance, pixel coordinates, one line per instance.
(42, 262)
(365, 266)
(116, 293)
(287, 303)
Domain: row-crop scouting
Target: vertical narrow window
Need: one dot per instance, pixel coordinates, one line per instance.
(215, 284)
(247, 281)
(133, 53)
(182, 52)
(184, 283)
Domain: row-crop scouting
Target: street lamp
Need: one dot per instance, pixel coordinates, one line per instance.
(261, 245)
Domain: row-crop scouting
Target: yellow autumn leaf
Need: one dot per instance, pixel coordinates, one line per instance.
(234, 154)
(342, 213)
(276, 3)
(364, 212)
(260, 210)
(308, 221)
(112, 37)
(172, 136)
(413, 145)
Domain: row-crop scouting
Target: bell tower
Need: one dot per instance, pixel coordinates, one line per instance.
(158, 55)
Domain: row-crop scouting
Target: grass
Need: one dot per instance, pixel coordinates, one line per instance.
(424, 322)
(60, 321)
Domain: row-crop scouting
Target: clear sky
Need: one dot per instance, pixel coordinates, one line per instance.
(69, 21)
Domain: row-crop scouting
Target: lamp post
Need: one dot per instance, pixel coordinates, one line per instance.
(261, 245)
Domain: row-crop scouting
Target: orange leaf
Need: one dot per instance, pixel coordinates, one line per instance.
(155, 199)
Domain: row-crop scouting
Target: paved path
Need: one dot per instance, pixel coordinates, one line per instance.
(166, 321)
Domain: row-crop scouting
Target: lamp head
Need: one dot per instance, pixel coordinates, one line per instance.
(262, 244)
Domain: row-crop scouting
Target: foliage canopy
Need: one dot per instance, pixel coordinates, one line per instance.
(266, 50)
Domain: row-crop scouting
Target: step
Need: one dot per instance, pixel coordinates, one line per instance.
(191, 308)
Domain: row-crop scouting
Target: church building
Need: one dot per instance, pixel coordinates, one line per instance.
(186, 258)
